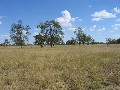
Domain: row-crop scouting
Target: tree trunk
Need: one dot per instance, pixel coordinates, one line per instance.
(21, 45)
(51, 45)
(41, 46)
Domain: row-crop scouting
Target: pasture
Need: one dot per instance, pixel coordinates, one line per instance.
(88, 67)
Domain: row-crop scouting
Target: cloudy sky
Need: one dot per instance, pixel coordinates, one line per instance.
(98, 18)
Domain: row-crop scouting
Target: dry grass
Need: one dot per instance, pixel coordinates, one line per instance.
(94, 67)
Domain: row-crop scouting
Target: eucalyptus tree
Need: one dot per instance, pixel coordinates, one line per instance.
(118, 41)
(79, 35)
(83, 38)
(88, 39)
(51, 31)
(6, 42)
(39, 40)
(108, 41)
(19, 33)
(92, 41)
(71, 42)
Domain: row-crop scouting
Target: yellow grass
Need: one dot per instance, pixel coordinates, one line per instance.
(92, 67)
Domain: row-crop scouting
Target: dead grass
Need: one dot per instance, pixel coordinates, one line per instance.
(93, 67)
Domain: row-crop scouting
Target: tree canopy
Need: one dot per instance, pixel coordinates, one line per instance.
(50, 33)
(19, 33)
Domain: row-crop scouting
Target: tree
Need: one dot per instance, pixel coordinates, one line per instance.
(83, 39)
(113, 41)
(6, 42)
(19, 33)
(52, 32)
(79, 35)
(71, 42)
(108, 41)
(39, 40)
(93, 41)
(118, 41)
(88, 39)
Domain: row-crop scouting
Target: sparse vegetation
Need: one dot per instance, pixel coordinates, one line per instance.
(85, 67)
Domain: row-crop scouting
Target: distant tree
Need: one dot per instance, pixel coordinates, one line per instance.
(39, 40)
(19, 33)
(71, 42)
(83, 39)
(58, 40)
(113, 41)
(79, 35)
(108, 41)
(118, 41)
(52, 32)
(88, 39)
(93, 41)
(6, 42)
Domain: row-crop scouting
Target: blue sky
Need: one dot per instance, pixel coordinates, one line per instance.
(98, 18)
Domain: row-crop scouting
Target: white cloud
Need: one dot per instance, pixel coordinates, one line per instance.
(116, 26)
(92, 28)
(111, 31)
(74, 19)
(24, 31)
(71, 28)
(90, 6)
(5, 36)
(117, 10)
(83, 29)
(117, 35)
(1, 18)
(97, 16)
(36, 29)
(101, 29)
(66, 19)
(35, 33)
(97, 19)
(118, 20)
(80, 19)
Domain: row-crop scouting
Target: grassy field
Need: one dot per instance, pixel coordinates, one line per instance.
(92, 67)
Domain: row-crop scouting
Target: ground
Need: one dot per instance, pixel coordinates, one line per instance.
(88, 67)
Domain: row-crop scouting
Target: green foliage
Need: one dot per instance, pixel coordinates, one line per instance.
(71, 42)
(6, 42)
(81, 37)
(19, 33)
(39, 40)
(118, 41)
(51, 31)
(112, 41)
(88, 39)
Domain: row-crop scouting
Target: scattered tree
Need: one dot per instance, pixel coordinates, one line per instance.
(51, 31)
(79, 35)
(19, 33)
(39, 40)
(6, 42)
(71, 42)
(93, 41)
(108, 41)
(88, 39)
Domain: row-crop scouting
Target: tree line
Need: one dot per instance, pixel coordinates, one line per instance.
(50, 33)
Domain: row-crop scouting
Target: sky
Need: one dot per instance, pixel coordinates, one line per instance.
(98, 18)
